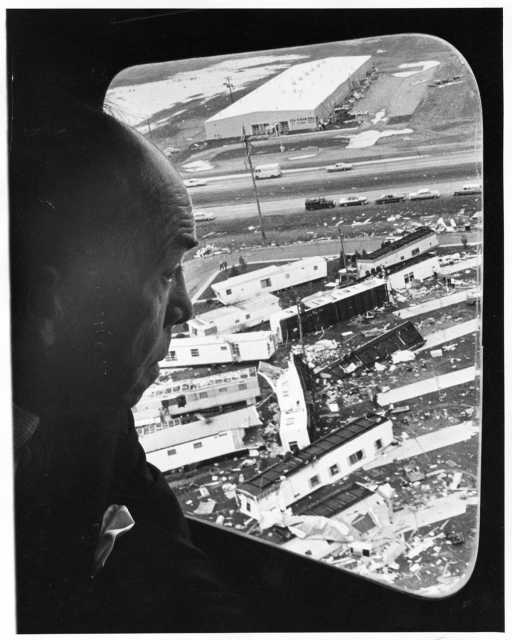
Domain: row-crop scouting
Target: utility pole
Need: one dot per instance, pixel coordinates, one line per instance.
(343, 261)
(342, 247)
(230, 86)
(299, 321)
(245, 138)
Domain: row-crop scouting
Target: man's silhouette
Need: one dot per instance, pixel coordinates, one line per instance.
(100, 222)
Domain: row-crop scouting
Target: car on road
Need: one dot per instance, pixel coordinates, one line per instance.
(468, 190)
(319, 203)
(194, 182)
(351, 201)
(203, 216)
(386, 198)
(424, 194)
(264, 171)
(339, 166)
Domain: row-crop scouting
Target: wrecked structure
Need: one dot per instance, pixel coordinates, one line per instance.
(409, 246)
(326, 308)
(269, 279)
(234, 318)
(293, 420)
(419, 268)
(194, 438)
(403, 337)
(236, 347)
(198, 392)
(267, 494)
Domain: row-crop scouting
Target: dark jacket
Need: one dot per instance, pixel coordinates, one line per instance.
(155, 579)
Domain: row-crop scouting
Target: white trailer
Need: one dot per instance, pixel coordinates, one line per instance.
(334, 456)
(234, 318)
(293, 420)
(413, 244)
(234, 347)
(205, 392)
(401, 276)
(203, 439)
(272, 278)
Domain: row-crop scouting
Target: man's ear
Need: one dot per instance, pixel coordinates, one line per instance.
(44, 306)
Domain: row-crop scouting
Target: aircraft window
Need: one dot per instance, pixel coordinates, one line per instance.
(363, 409)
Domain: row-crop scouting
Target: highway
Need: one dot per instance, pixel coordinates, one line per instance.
(233, 196)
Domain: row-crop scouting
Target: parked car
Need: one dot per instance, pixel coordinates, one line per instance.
(389, 197)
(468, 190)
(350, 201)
(319, 203)
(194, 182)
(339, 166)
(424, 194)
(202, 216)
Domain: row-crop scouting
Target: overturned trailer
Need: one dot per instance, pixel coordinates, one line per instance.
(325, 308)
(403, 337)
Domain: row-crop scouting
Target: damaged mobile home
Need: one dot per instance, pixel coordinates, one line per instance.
(326, 308)
(330, 458)
(269, 279)
(234, 318)
(236, 347)
(411, 245)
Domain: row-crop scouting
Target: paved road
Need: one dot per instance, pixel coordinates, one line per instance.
(427, 442)
(423, 387)
(437, 303)
(198, 270)
(234, 196)
(433, 340)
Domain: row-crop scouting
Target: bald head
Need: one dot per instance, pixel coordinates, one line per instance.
(75, 186)
(100, 221)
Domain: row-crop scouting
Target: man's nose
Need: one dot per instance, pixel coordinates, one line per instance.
(179, 307)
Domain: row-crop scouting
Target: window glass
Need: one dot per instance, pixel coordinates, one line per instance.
(362, 410)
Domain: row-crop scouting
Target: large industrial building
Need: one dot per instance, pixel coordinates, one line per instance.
(294, 100)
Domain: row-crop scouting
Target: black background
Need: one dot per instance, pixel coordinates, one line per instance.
(77, 53)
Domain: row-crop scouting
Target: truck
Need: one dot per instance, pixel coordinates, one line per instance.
(267, 171)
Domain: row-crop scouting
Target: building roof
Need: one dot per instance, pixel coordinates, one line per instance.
(211, 317)
(403, 265)
(200, 341)
(330, 500)
(265, 272)
(197, 428)
(328, 296)
(259, 302)
(302, 87)
(421, 232)
(263, 481)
